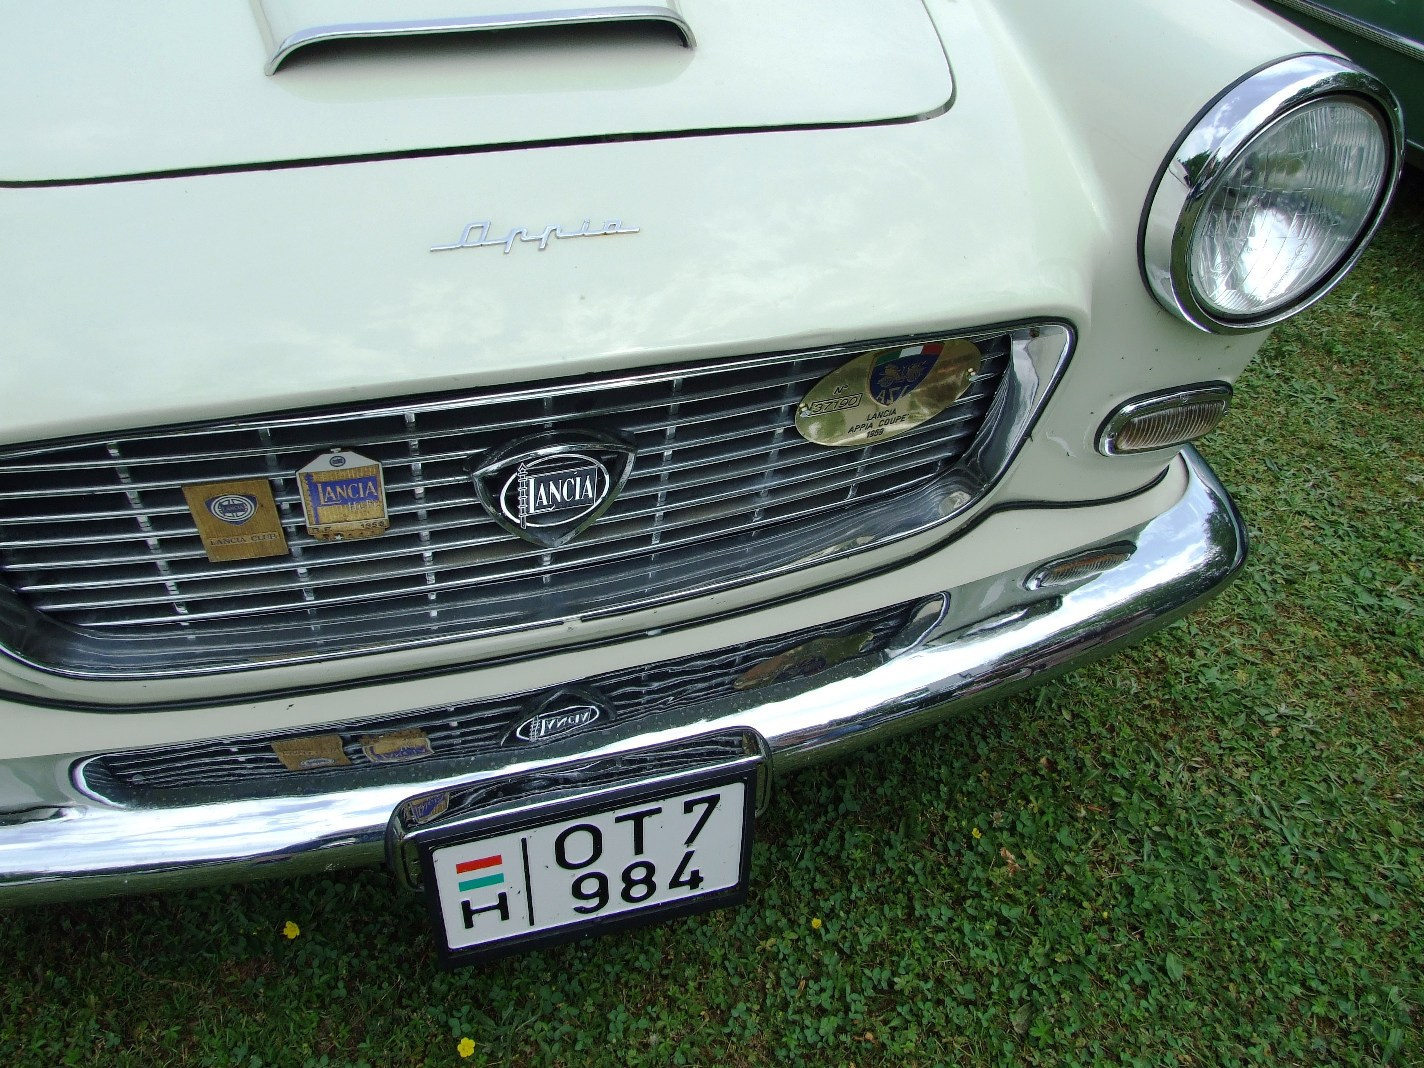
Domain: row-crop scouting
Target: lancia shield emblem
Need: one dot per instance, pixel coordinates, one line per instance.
(551, 490)
(234, 508)
(549, 487)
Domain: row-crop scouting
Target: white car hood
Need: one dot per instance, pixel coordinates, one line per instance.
(120, 88)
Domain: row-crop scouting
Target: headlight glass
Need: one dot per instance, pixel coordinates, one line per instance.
(1271, 196)
(1289, 208)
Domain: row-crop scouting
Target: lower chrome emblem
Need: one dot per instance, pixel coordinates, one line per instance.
(562, 713)
(549, 487)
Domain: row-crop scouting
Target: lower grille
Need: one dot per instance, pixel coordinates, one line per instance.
(107, 577)
(469, 730)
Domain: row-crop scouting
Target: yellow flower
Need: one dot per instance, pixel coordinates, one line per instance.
(976, 834)
(466, 1048)
(816, 924)
(291, 930)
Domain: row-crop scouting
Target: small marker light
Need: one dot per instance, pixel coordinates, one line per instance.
(1164, 420)
(1079, 568)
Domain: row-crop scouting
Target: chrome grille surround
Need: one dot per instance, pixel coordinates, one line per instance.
(248, 766)
(105, 576)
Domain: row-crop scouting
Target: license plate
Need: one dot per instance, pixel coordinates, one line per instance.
(619, 858)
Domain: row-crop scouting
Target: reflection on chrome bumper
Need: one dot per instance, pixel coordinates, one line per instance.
(1183, 556)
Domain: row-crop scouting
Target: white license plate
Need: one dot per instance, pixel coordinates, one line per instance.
(609, 861)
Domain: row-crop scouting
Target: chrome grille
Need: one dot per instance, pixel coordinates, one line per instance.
(109, 577)
(468, 730)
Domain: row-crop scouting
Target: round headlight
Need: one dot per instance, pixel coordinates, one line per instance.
(1272, 195)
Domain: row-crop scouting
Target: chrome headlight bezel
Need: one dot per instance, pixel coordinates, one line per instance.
(1210, 147)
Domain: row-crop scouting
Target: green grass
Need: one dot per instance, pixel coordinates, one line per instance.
(1207, 851)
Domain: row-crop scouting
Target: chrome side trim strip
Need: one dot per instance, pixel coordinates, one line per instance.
(1185, 555)
(1395, 42)
(282, 42)
(475, 150)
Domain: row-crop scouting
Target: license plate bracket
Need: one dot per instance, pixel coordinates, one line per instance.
(619, 856)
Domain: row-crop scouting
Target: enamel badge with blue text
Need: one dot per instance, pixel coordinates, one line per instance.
(344, 495)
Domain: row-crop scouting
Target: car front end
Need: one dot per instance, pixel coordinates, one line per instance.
(398, 435)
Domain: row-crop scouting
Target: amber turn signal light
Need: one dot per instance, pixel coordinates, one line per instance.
(1164, 420)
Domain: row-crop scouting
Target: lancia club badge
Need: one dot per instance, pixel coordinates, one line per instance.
(549, 487)
(310, 752)
(237, 520)
(886, 392)
(344, 496)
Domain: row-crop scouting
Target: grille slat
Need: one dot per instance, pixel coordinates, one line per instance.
(96, 536)
(582, 413)
(511, 569)
(807, 453)
(885, 466)
(394, 486)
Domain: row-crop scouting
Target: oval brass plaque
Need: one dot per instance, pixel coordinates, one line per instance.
(886, 392)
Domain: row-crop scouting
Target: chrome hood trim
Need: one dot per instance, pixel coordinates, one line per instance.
(186, 88)
(290, 25)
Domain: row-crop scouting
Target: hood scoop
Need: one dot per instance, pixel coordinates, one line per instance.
(117, 90)
(289, 25)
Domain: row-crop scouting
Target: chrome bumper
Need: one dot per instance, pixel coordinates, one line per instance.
(1183, 556)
